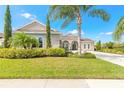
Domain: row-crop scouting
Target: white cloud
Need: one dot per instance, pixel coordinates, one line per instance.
(74, 32)
(28, 16)
(103, 34)
(108, 33)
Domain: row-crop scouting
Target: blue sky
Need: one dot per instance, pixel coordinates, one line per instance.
(93, 28)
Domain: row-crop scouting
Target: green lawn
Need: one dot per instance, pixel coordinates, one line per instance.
(59, 67)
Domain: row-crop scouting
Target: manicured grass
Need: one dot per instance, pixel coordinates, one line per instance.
(59, 67)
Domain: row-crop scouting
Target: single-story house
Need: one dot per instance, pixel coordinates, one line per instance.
(38, 29)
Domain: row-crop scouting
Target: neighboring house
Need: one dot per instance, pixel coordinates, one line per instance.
(37, 29)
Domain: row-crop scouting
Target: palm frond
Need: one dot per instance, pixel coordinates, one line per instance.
(121, 21)
(54, 12)
(65, 12)
(119, 30)
(67, 21)
(86, 7)
(116, 36)
(68, 13)
(100, 13)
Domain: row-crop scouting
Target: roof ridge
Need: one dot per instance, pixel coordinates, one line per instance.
(35, 20)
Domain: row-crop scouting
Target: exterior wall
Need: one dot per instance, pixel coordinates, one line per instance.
(71, 38)
(1, 41)
(40, 36)
(91, 46)
(38, 30)
(55, 39)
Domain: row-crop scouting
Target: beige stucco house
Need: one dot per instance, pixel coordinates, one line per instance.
(37, 29)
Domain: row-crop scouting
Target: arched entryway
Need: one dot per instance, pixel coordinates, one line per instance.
(74, 45)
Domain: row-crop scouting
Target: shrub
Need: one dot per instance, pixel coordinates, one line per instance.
(31, 53)
(87, 55)
(84, 55)
(1, 46)
(39, 52)
(56, 52)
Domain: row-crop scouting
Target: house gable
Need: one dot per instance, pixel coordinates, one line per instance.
(34, 26)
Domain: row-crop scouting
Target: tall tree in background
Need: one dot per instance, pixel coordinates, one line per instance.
(98, 45)
(70, 13)
(7, 27)
(48, 35)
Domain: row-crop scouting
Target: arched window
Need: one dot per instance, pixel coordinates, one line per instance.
(74, 45)
(40, 42)
(66, 45)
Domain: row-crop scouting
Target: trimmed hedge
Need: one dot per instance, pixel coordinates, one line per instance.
(31, 53)
(55, 52)
(83, 55)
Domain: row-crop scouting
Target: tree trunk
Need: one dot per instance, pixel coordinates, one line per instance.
(79, 33)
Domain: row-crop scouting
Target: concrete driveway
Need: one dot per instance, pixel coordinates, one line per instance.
(61, 83)
(113, 58)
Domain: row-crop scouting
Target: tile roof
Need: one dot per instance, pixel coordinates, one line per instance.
(74, 37)
(86, 39)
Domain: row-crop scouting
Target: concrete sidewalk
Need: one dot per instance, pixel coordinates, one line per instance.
(61, 83)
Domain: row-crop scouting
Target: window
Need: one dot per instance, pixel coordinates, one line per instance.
(74, 45)
(40, 42)
(60, 43)
(66, 45)
(84, 46)
(88, 46)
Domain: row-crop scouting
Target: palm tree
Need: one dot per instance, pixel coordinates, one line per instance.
(22, 40)
(119, 30)
(71, 13)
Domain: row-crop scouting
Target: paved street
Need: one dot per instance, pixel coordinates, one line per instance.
(113, 58)
(61, 83)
